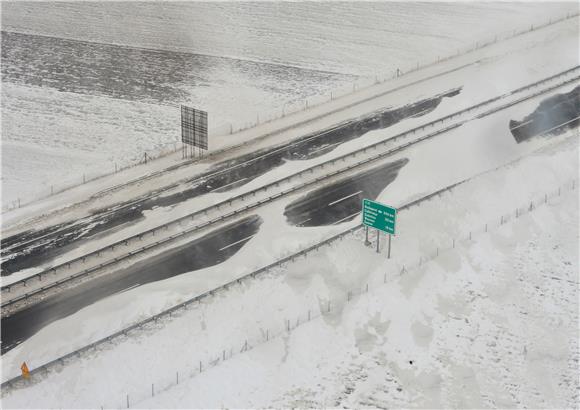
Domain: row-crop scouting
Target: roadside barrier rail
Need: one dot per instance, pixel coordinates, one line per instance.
(264, 188)
(19, 381)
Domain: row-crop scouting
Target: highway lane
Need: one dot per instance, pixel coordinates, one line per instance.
(32, 248)
(341, 201)
(555, 114)
(209, 250)
(331, 204)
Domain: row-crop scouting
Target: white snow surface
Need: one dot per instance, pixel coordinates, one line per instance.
(361, 38)
(56, 138)
(490, 323)
(486, 73)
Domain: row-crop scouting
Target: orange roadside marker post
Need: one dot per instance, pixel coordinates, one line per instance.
(25, 371)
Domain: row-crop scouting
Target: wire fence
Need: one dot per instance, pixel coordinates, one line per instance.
(367, 82)
(45, 280)
(286, 110)
(315, 308)
(321, 306)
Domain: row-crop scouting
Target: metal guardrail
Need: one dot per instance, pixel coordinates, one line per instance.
(212, 174)
(282, 193)
(418, 67)
(479, 45)
(168, 312)
(200, 297)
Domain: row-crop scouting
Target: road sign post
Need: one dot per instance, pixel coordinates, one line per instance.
(381, 217)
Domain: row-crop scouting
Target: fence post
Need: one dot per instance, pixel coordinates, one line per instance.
(267, 334)
(176, 377)
(127, 401)
(309, 315)
(152, 390)
(329, 306)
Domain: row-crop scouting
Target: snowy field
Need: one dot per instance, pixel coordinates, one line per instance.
(491, 323)
(74, 110)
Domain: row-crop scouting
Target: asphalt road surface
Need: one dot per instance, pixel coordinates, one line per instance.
(209, 250)
(554, 115)
(342, 201)
(31, 248)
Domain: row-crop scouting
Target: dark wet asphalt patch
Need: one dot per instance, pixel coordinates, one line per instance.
(341, 201)
(209, 250)
(554, 115)
(247, 168)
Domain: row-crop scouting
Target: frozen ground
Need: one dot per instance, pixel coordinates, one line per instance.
(361, 38)
(486, 73)
(492, 323)
(64, 116)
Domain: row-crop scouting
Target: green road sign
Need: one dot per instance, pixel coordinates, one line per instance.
(379, 216)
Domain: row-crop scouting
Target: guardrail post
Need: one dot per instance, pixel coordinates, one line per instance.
(176, 377)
